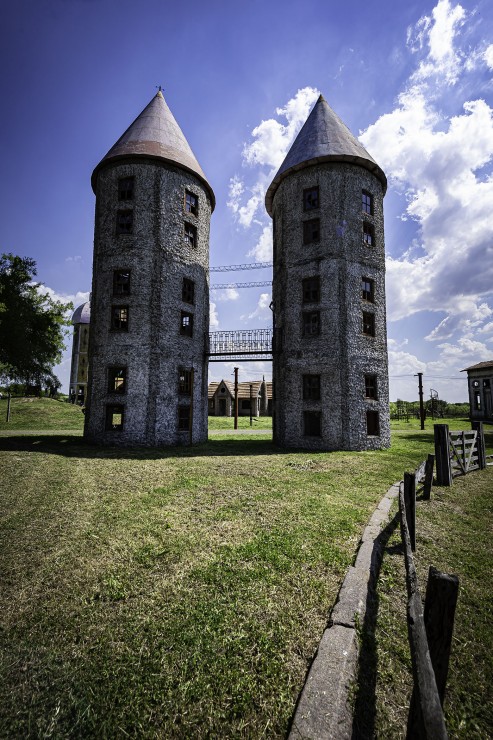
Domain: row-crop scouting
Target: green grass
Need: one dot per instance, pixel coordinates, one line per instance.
(227, 422)
(40, 413)
(176, 593)
(454, 534)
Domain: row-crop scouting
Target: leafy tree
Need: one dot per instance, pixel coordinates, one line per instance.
(31, 325)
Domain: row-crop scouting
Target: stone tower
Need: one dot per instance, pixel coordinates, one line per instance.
(330, 362)
(150, 291)
(80, 344)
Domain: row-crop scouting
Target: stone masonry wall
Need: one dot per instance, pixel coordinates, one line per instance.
(341, 354)
(153, 350)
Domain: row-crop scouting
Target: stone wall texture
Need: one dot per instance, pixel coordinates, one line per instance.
(341, 354)
(153, 350)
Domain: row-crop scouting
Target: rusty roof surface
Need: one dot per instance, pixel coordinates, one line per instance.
(156, 134)
(323, 138)
(243, 388)
(479, 366)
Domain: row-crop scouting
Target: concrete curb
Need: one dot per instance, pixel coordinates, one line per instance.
(323, 712)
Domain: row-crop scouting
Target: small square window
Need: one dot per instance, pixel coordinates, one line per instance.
(191, 203)
(312, 426)
(119, 318)
(188, 291)
(369, 324)
(311, 290)
(190, 234)
(245, 404)
(117, 379)
(311, 323)
(372, 423)
(184, 381)
(310, 199)
(311, 387)
(114, 417)
(367, 289)
(311, 231)
(126, 188)
(367, 202)
(186, 326)
(368, 234)
(371, 387)
(124, 222)
(121, 282)
(183, 418)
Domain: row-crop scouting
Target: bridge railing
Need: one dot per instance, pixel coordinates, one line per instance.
(241, 342)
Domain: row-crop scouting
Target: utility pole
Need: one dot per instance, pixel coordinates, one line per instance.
(236, 397)
(421, 404)
(251, 404)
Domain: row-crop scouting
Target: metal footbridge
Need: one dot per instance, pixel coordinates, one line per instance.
(246, 344)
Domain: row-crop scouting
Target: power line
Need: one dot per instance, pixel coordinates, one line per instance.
(249, 266)
(242, 285)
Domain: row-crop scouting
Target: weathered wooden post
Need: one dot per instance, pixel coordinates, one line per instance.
(428, 482)
(410, 505)
(442, 591)
(9, 396)
(478, 427)
(442, 455)
(236, 397)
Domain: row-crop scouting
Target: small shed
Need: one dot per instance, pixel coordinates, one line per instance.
(480, 382)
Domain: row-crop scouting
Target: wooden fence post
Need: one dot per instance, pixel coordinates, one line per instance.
(442, 455)
(478, 427)
(410, 505)
(428, 482)
(441, 599)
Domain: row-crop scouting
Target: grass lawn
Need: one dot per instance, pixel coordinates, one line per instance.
(173, 593)
(454, 533)
(40, 413)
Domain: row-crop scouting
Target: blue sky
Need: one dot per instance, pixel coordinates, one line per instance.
(413, 79)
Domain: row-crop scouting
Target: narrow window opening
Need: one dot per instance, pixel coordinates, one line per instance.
(183, 418)
(310, 199)
(311, 387)
(117, 380)
(311, 290)
(188, 291)
(121, 282)
(126, 188)
(114, 417)
(184, 381)
(369, 324)
(312, 426)
(371, 387)
(311, 231)
(367, 202)
(190, 234)
(119, 318)
(191, 203)
(186, 326)
(124, 222)
(311, 323)
(367, 289)
(372, 423)
(368, 234)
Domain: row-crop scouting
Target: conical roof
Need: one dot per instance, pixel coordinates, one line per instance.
(155, 134)
(323, 138)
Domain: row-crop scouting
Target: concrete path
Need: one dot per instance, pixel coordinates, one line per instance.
(323, 711)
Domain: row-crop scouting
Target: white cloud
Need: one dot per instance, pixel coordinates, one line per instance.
(262, 310)
(488, 56)
(262, 251)
(76, 299)
(269, 144)
(213, 317)
(438, 34)
(228, 294)
(76, 258)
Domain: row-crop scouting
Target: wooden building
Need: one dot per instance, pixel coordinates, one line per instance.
(480, 383)
(256, 394)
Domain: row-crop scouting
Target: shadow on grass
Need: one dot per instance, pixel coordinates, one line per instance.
(365, 697)
(71, 445)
